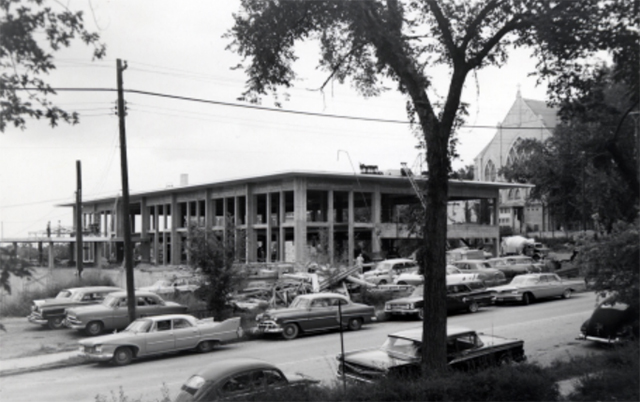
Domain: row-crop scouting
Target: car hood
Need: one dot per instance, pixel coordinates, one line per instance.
(118, 337)
(408, 299)
(505, 288)
(54, 303)
(376, 359)
(285, 313)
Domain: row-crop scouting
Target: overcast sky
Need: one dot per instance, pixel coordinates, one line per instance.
(177, 48)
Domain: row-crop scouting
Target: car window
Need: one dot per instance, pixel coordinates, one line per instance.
(122, 302)
(151, 301)
(163, 325)
(274, 377)
(238, 384)
(320, 303)
(181, 323)
(140, 301)
(457, 344)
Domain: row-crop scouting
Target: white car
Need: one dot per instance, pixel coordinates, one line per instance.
(454, 275)
(166, 287)
(386, 271)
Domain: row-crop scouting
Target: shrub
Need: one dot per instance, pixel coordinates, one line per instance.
(21, 306)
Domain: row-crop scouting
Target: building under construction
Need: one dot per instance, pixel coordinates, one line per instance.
(287, 217)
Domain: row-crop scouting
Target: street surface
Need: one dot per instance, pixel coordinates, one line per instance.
(547, 327)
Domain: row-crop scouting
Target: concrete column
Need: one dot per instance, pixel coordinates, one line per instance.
(51, 256)
(250, 208)
(300, 219)
(145, 245)
(376, 219)
(267, 246)
(351, 220)
(281, 219)
(175, 236)
(331, 228)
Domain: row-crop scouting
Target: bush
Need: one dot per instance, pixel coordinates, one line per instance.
(21, 306)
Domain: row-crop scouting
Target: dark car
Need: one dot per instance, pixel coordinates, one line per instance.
(51, 312)
(315, 312)
(467, 296)
(486, 273)
(611, 323)
(235, 379)
(515, 265)
(400, 354)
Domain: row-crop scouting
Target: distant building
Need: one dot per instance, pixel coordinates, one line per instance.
(526, 119)
(287, 217)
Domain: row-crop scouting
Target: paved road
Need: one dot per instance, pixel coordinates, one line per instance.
(548, 329)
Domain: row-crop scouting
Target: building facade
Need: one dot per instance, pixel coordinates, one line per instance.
(286, 217)
(526, 119)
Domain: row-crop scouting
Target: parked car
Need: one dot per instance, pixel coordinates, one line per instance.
(400, 354)
(486, 273)
(113, 313)
(160, 334)
(236, 379)
(315, 312)
(166, 287)
(453, 274)
(51, 312)
(465, 253)
(387, 270)
(527, 288)
(460, 296)
(515, 265)
(611, 323)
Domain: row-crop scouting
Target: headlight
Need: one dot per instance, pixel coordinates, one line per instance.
(195, 382)
(98, 348)
(387, 307)
(515, 292)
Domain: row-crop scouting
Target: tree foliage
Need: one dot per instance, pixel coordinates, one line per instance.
(611, 262)
(10, 264)
(25, 58)
(215, 253)
(377, 43)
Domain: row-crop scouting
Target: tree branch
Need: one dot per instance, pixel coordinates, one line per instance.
(443, 24)
(472, 30)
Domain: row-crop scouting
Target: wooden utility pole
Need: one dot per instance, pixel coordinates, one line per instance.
(79, 226)
(126, 224)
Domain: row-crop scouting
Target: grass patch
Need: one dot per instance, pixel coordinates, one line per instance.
(21, 306)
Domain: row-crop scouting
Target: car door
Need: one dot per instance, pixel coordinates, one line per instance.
(556, 287)
(186, 334)
(160, 337)
(237, 387)
(454, 302)
(148, 306)
(119, 315)
(320, 315)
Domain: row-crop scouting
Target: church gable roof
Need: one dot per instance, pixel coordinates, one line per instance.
(549, 115)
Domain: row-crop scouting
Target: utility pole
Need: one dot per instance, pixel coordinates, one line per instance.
(79, 245)
(126, 224)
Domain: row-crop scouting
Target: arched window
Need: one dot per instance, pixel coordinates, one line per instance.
(490, 171)
(517, 196)
(515, 154)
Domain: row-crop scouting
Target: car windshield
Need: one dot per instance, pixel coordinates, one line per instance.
(77, 296)
(418, 291)
(383, 267)
(452, 270)
(401, 348)
(139, 326)
(110, 301)
(63, 294)
(300, 302)
(161, 283)
(524, 280)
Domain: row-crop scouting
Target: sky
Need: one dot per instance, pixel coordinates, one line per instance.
(179, 49)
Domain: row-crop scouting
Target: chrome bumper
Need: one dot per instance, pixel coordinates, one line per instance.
(37, 319)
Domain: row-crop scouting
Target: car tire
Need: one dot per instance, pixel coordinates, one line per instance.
(55, 323)
(290, 331)
(355, 324)
(94, 328)
(382, 282)
(205, 347)
(566, 294)
(474, 307)
(122, 356)
(527, 299)
(421, 314)
(402, 283)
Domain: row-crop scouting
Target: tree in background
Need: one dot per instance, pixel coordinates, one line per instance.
(10, 264)
(23, 90)
(215, 253)
(372, 43)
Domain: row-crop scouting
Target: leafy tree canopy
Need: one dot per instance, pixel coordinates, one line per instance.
(25, 58)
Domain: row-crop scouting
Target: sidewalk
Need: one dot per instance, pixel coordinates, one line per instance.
(40, 362)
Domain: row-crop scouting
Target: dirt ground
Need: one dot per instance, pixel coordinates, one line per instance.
(25, 339)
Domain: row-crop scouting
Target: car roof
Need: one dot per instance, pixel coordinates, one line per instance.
(322, 294)
(169, 317)
(137, 293)
(415, 334)
(223, 368)
(398, 260)
(94, 288)
(460, 261)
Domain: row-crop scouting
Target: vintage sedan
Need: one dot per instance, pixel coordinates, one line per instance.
(386, 271)
(515, 265)
(166, 287)
(113, 312)
(453, 274)
(486, 273)
(400, 354)
(315, 312)
(51, 312)
(236, 379)
(160, 334)
(611, 323)
(527, 288)
(467, 296)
